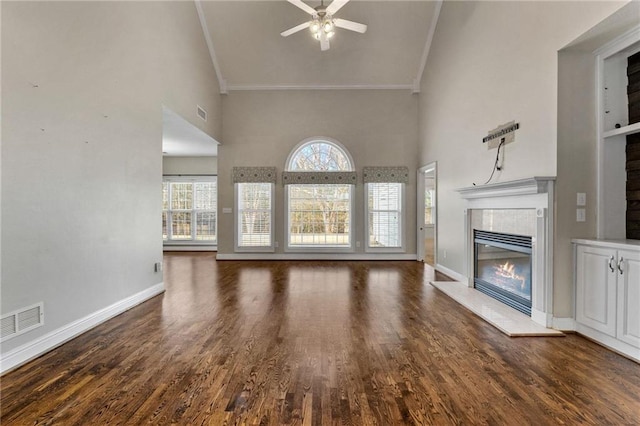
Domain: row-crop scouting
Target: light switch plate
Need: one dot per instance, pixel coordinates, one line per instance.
(581, 199)
(581, 215)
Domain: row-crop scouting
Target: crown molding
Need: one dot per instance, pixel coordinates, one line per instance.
(270, 87)
(207, 37)
(427, 47)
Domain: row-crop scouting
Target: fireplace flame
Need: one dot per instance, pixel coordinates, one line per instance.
(507, 270)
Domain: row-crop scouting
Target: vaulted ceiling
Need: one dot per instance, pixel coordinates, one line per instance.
(249, 53)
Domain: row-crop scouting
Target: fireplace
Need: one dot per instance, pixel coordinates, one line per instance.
(502, 268)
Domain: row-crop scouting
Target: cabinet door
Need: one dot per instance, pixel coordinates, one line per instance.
(596, 289)
(629, 297)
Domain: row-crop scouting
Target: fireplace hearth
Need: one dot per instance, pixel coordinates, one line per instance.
(503, 268)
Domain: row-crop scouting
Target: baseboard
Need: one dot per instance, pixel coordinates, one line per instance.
(452, 274)
(564, 324)
(542, 318)
(315, 256)
(52, 340)
(189, 248)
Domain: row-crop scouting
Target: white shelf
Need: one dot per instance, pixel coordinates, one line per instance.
(622, 131)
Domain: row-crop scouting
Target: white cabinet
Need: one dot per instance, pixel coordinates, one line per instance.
(596, 289)
(628, 270)
(608, 293)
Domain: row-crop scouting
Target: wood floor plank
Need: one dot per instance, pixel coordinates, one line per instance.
(315, 343)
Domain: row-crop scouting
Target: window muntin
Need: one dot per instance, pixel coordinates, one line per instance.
(254, 221)
(384, 215)
(319, 216)
(320, 156)
(190, 210)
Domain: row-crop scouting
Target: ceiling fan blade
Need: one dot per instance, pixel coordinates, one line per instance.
(303, 6)
(350, 25)
(324, 43)
(295, 29)
(335, 6)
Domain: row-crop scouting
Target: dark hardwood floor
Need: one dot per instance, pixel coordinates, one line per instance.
(315, 343)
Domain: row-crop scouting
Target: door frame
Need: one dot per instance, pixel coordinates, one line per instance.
(420, 211)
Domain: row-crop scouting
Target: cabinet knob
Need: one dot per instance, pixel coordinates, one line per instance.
(611, 263)
(620, 265)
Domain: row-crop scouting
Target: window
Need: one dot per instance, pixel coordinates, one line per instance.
(319, 215)
(384, 215)
(254, 221)
(189, 210)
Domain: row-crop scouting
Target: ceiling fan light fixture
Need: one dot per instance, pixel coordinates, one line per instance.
(331, 34)
(327, 26)
(315, 26)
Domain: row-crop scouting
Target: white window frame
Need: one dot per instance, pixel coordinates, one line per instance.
(352, 228)
(237, 222)
(193, 241)
(314, 248)
(402, 248)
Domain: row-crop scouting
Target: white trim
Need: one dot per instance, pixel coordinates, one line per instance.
(541, 318)
(427, 46)
(321, 139)
(564, 324)
(341, 249)
(212, 53)
(534, 185)
(451, 273)
(420, 199)
(236, 222)
(619, 43)
(315, 256)
(398, 249)
(271, 87)
(609, 342)
(55, 338)
(188, 248)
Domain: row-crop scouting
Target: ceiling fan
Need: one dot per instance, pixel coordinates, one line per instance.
(322, 23)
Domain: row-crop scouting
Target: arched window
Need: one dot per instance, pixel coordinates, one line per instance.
(319, 215)
(319, 156)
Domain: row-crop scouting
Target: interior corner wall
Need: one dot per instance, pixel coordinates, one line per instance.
(491, 63)
(378, 127)
(83, 84)
(204, 166)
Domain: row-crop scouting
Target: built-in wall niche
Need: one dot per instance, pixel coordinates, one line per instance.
(614, 125)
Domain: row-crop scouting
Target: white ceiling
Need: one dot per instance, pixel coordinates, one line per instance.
(249, 53)
(182, 139)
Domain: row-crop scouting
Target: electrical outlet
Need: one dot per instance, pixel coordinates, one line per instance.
(358, 244)
(581, 215)
(227, 210)
(157, 267)
(276, 244)
(444, 254)
(581, 199)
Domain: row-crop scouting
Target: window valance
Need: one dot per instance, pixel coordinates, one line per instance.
(254, 175)
(292, 178)
(398, 174)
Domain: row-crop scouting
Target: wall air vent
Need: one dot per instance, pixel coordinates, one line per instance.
(21, 321)
(202, 113)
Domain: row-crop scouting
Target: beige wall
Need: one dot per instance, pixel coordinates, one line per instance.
(189, 165)
(379, 128)
(490, 63)
(82, 151)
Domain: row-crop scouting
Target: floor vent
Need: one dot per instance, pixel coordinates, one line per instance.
(21, 321)
(202, 113)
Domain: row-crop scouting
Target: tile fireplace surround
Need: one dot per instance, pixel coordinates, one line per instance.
(522, 207)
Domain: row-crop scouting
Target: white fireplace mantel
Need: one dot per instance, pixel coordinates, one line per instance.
(531, 193)
(534, 185)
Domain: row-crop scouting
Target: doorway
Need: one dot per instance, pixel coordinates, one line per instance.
(427, 216)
